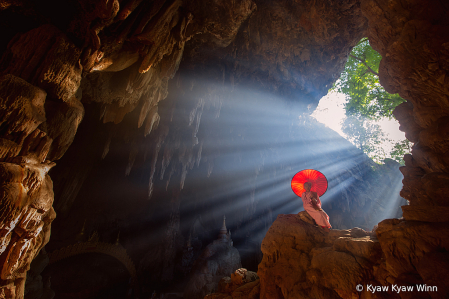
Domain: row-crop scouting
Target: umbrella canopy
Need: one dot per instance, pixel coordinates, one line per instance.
(316, 178)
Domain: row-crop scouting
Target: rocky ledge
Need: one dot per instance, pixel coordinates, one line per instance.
(399, 259)
(301, 260)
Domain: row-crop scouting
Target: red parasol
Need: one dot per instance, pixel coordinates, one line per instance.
(316, 178)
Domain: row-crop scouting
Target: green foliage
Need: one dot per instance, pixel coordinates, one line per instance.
(366, 135)
(400, 149)
(367, 101)
(360, 83)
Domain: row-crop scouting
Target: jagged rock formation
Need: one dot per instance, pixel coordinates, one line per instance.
(27, 213)
(218, 259)
(301, 260)
(332, 265)
(67, 61)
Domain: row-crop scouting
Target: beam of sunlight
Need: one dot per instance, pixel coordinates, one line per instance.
(256, 145)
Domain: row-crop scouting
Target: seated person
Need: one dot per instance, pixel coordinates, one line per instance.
(312, 204)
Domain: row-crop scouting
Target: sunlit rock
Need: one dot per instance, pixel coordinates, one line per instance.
(334, 262)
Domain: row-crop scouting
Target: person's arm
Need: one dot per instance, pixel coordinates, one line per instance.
(318, 201)
(315, 201)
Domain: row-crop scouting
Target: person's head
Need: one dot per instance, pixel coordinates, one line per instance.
(307, 186)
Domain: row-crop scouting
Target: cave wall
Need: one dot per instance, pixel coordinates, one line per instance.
(414, 64)
(113, 61)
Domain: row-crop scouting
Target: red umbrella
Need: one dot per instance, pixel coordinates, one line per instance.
(316, 178)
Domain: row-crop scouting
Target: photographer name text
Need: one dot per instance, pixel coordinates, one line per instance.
(397, 288)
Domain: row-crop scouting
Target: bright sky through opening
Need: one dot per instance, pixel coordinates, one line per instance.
(331, 112)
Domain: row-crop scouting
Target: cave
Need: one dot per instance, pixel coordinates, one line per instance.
(147, 150)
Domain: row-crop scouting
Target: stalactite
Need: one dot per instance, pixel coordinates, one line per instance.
(152, 120)
(193, 113)
(166, 158)
(106, 148)
(137, 82)
(198, 117)
(183, 176)
(161, 138)
(152, 97)
(172, 171)
(198, 155)
(190, 159)
(210, 168)
(152, 171)
(156, 32)
(145, 108)
(132, 157)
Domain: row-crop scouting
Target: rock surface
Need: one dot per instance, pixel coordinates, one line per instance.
(301, 260)
(414, 64)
